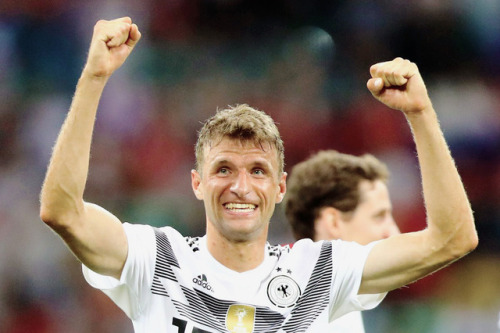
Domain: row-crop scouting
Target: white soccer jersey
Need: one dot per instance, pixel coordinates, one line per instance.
(171, 283)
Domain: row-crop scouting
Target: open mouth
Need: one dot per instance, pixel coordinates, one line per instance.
(240, 207)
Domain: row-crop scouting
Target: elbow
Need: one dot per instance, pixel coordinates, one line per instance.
(49, 217)
(48, 208)
(462, 249)
(58, 209)
(464, 244)
(472, 243)
(455, 244)
(54, 218)
(470, 239)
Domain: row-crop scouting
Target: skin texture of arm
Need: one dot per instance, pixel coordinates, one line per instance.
(93, 234)
(450, 232)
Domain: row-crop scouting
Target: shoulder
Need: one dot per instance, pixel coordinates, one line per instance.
(166, 238)
(303, 253)
(306, 245)
(146, 229)
(306, 250)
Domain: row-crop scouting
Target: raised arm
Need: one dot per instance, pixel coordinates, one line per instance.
(94, 235)
(450, 232)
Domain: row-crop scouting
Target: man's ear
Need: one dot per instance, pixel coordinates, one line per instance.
(282, 188)
(196, 184)
(328, 224)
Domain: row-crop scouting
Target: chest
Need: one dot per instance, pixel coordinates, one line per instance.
(284, 295)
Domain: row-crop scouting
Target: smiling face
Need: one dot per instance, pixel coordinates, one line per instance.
(240, 183)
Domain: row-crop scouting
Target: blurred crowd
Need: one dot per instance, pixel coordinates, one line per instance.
(306, 64)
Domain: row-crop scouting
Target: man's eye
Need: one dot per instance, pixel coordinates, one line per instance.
(258, 172)
(223, 171)
(381, 216)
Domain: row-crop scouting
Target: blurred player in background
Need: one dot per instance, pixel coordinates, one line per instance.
(339, 196)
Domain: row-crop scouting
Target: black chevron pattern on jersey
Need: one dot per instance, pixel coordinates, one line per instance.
(207, 310)
(316, 296)
(165, 259)
(204, 309)
(277, 250)
(193, 243)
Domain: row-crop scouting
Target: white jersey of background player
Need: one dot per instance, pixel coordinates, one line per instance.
(332, 195)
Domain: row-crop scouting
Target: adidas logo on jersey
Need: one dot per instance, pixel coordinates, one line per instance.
(202, 281)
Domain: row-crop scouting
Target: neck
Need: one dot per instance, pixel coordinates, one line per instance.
(239, 256)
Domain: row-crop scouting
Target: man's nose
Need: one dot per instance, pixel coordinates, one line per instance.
(392, 228)
(240, 185)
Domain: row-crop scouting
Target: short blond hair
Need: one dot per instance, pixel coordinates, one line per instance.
(239, 122)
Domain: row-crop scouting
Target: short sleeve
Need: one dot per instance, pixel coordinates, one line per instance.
(349, 259)
(137, 272)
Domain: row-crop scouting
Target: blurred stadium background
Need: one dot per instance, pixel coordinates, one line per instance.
(303, 62)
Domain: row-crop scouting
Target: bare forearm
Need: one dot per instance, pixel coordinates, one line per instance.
(64, 184)
(402, 259)
(62, 192)
(450, 233)
(448, 209)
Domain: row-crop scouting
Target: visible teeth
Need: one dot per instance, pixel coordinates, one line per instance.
(240, 206)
